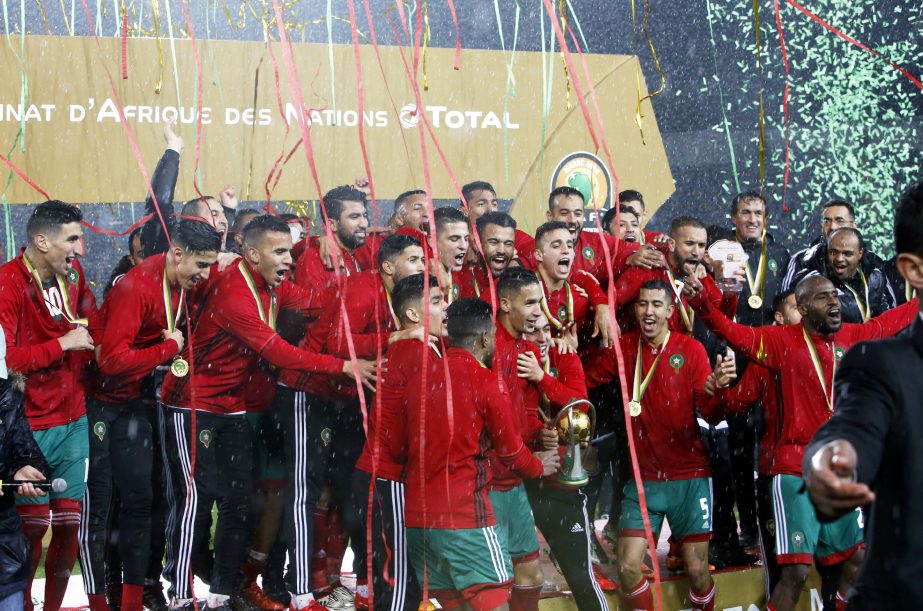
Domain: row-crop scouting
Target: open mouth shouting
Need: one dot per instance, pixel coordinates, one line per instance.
(563, 266)
(498, 263)
(648, 325)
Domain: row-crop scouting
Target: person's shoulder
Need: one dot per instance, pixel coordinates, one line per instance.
(13, 271)
(897, 354)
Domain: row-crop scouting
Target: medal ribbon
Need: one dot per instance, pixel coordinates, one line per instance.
(270, 317)
(819, 370)
(909, 291)
(864, 308)
(687, 314)
(758, 284)
(68, 313)
(639, 387)
(474, 283)
(558, 324)
(168, 303)
(397, 323)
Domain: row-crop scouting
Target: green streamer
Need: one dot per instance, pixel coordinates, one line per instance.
(510, 80)
(727, 127)
(541, 152)
(573, 13)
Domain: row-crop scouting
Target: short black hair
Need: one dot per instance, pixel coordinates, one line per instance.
(747, 196)
(630, 195)
(659, 285)
(50, 215)
(410, 289)
(196, 236)
(447, 215)
(191, 207)
(908, 221)
(565, 191)
(833, 203)
(610, 214)
(240, 223)
(261, 225)
(406, 195)
(135, 233)
(466, 319)
(513, 279)
(851, 230)
(393, 245)
(477, 185)
(546, 228)
(334, 199)
(685, 221)
(500, 219)
(288, 217)
(779, 300)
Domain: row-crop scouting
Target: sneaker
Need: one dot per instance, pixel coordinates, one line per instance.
(604, 582)
(258, 600)
(153, 599)
(339, 598)
(312, 606)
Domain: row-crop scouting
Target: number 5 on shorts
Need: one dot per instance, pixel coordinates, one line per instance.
(705, 515)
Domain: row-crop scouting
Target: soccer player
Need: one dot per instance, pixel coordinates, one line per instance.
(670, 371)
(410, 212)
(629, 226)
(480, 198)
(393, 583)
(805, 356)
(634, 200)
(236, 233)
(568, 298)
(236, 329)
(452, 412)
(44, 305)
(497, 233)
(689, 238)
(452, 233)
(139, 329)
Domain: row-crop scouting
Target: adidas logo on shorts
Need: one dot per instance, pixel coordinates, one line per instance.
(576, 528)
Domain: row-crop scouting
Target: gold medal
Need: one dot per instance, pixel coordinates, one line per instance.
(179, 367)
(755, 302)
(634, 408)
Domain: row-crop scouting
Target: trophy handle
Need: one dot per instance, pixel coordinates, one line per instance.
(591, 412)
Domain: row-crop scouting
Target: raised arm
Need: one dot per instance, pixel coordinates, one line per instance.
(163, 183)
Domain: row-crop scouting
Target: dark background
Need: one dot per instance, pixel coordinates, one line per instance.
(854, 121)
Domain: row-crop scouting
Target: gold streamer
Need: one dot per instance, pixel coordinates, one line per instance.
(155, 18)
(650, 43)
(67, 24)
(563, 12)
(41, 9)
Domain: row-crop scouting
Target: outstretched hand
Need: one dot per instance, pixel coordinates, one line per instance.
(174, 142)
(831, 481)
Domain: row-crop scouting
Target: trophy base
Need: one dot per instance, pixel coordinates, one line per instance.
(574, 482)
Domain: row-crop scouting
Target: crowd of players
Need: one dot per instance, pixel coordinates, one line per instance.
(396, 393)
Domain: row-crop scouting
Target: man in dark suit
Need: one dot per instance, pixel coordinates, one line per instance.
(871, 450)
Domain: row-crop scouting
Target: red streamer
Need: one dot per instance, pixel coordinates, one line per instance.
(457, 34)
(23, 176)
(124, 43)
(855, 42)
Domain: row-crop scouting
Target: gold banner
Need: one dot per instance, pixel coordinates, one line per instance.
(77, 150)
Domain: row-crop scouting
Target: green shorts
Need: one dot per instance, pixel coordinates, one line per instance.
(459, 559)
(515, 521)
(268, 448)
(67, 450)
(685, 503)
(800, 536)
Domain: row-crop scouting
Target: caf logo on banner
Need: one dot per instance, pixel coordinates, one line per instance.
(588, 174)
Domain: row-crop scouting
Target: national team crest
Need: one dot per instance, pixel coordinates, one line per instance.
(553, 372)
(205, 436)
(73, 276)
(326, 436)
(562, 313)
(99, 429)
(838, 353)
(677, 362)
(798, 539)
(773, 266)
(454, 292)
(588, 253)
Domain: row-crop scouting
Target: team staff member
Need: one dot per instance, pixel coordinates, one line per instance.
(871, 448)
(137, 331)
(805, 355)
(393, 583)
(44, 306)
(497, 234)
(670, 371)
(236, 329)
(455, 545)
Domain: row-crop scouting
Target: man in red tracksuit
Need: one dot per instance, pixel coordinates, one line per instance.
(206, 420)
(690, 238)
(669, 373)
(805, 356)
(454, 410)
(394, 584)
(497, 235)
(138, 328)
(44, 305)
(452, 235)
(571, 299)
